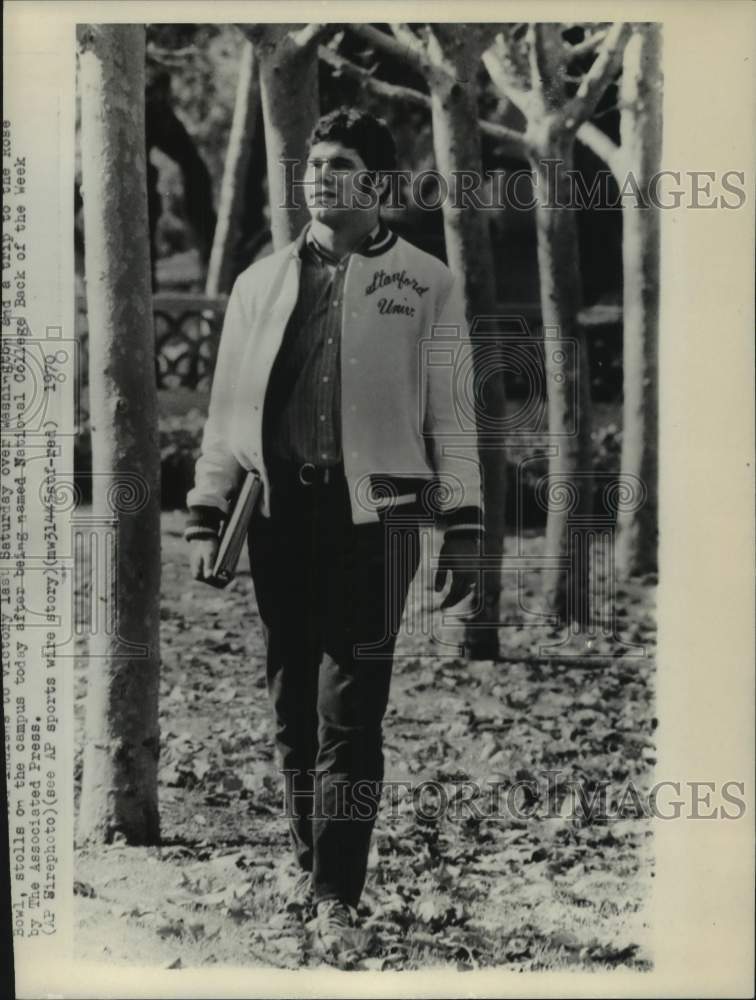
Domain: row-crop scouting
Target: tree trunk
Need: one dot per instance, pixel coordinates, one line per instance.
(640, 133)
(289, 93)
(568, 491)
(233, 193)
(166, 132)
(456, 142)
(119, 794)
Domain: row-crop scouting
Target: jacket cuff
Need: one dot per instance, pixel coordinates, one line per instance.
(462, 519)
(203, 522)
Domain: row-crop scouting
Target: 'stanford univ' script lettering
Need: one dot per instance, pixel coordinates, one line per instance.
(382, 279)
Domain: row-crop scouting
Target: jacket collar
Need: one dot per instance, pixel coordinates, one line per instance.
(377, 241)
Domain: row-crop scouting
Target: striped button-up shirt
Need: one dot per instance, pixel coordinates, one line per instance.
(303, 403)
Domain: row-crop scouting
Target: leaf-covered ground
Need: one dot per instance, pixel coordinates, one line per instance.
(490, 862)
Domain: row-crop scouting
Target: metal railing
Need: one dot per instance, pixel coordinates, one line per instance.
(187, 332)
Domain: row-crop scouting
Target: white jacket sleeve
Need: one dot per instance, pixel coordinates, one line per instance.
(449, 415)
(217, 471)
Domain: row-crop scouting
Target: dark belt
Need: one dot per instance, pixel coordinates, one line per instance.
(304, 474)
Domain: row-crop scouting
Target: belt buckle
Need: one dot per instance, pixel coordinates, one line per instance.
(304, 481)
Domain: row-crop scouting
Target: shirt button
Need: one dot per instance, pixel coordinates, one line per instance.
(324, 454)
(335, 302)
(353, 361)
(322, 416)
(325, 378)
(329, 341)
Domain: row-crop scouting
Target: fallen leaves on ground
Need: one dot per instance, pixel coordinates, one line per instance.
(479, 858)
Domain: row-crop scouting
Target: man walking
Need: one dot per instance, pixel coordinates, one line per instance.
(323, 385)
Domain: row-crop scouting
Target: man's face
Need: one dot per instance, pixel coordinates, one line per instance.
(335, 184)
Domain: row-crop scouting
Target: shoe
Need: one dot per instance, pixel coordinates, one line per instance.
(334, 921)
(337, 937)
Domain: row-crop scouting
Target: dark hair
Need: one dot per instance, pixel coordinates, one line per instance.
(358, 130)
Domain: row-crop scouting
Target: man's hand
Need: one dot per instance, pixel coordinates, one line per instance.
(465, 547)
(202, 556)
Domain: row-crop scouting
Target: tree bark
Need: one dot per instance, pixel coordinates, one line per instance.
(289, 93)
(166, 132)
(119, 794)
(553, 120)
(640, 147)
(569, 489)
(233, 193)
(456, 143)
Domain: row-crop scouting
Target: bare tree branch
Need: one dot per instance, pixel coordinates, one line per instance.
(453, 56)
(392, 91)
(311, 34)
(547, 59)
(485, 34)
(589, 44)
(477, 36)
(170, 57)
(538, 62)
(514, 141)
(405, 36)
(599, 143)
(379, 40)
(500, 67)
(595, 82)
(606, 111)
(303, 36)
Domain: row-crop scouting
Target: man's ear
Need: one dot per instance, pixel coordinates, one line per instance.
(382, 182)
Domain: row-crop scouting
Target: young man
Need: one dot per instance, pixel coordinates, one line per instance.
(322, 385)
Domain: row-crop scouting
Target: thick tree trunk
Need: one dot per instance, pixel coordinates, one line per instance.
(233, 193)
(119, 794)
(166, 132)
(568, 492)
(456, 141)
(640, 133)
(289, 93)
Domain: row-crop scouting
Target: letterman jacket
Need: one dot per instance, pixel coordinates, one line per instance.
(408, 433)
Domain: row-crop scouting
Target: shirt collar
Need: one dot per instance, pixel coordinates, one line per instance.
(378, 240)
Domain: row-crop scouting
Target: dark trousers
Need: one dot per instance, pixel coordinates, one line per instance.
(331, 596)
